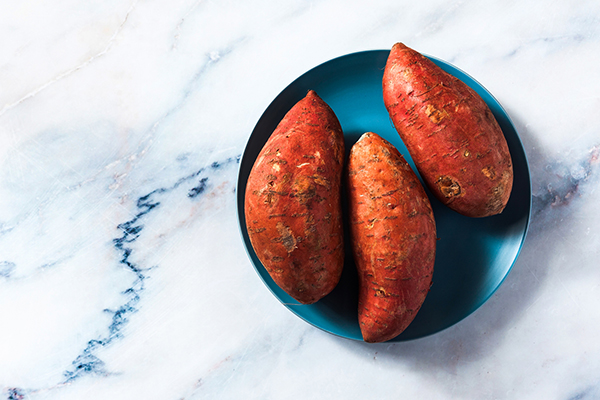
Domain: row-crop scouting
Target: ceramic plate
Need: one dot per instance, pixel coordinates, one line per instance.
(473, 256)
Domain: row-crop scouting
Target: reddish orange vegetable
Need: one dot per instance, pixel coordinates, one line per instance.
(450, 133)
(293, 205)
(393, 235)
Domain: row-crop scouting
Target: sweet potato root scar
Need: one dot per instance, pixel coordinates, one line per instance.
(448, 186)
(372, 223)
(321, 181)
(489, 172)
(286, 237)
(435, 115)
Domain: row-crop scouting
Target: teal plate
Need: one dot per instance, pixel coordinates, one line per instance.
(473, 256)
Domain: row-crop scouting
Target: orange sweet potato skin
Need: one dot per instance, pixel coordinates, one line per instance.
(450, 133)
(293, 201)
(393, 236)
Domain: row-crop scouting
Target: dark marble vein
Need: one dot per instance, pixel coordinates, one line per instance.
(6, 269)
(589, 393)
(15, 394)
(88, 362)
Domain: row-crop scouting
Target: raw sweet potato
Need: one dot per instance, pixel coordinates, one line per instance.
(293, 201)
(393, 236)
(450, 133)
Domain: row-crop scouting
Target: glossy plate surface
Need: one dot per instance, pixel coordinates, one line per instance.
(473, 256)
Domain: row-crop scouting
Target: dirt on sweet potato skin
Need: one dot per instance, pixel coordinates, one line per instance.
(451, 134)
(393, 236)
(293, 201)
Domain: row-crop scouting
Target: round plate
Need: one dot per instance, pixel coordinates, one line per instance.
(473, 255)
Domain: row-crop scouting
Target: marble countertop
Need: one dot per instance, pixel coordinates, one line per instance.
(122, 271)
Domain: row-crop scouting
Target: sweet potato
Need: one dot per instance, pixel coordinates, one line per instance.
(450, 133)
(393, 236)
(293, 201)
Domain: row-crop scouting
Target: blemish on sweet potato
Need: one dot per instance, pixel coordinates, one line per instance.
(489, 172)
(321, 180)
(448, 187)
(435, 115)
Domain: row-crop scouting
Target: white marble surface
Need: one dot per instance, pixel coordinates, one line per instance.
(122, 272)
